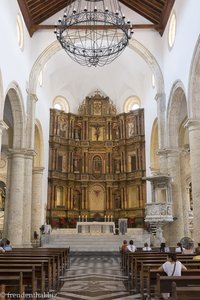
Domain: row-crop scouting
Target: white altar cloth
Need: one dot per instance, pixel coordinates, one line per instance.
(95, 227)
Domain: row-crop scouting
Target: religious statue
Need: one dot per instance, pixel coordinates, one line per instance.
(97, 133)
(130, 129)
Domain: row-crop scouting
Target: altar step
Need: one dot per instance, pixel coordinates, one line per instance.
(94, 243)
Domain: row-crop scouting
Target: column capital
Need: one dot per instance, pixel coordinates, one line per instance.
(38, 170)
(21, 152)
(159, 96)
(3, 125)
(169, 151)
(192, 124)
(33, 96)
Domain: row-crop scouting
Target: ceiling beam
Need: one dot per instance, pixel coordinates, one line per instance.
(166, 13)
(36, 27)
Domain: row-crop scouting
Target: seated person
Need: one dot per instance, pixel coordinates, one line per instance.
(2, 250)
(131, 247)
(7, 246)
(197, 252)
(164, 248)
(179, 248)
(189, 249)
(172, 267)
(146, 247)
(124, 245)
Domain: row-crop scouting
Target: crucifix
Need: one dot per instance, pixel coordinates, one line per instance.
(97, 133)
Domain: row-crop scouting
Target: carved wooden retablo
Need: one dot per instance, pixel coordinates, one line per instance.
(96, 164)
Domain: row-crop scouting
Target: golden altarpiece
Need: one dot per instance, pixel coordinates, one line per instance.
(96, 164)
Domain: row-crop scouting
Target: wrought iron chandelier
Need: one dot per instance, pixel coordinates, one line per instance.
(93, 32)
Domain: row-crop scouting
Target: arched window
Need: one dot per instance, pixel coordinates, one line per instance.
(172, 30)
(153, 81)
(61, 103)
(40, 78)
(20, 32)
(132, 103)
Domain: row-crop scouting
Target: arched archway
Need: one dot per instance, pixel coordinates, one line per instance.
(193, 125)
(176, 112)
(1, 96)
(19, 171)
(14, 112)
(38, 204)
(176, 157)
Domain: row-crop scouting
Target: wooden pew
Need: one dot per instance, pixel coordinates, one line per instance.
(185, 293)
(153, 278)
(39, 272)
(164, 283)
(47, 263)
(2, 291)
(147, 268)
(29, 279)
(13, 284)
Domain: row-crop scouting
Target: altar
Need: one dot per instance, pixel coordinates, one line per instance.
(95, 227)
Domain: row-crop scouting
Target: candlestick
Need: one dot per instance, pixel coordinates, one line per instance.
(79, 218)
(105, 218)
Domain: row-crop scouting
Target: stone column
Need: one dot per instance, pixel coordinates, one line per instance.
(194, 138)
(3, 126)
(14, 215)
(7, 202)
(161, 99)
(36, 206)
(177, 227)
(28, 163)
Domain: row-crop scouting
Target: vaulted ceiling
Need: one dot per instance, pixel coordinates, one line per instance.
(37, 11)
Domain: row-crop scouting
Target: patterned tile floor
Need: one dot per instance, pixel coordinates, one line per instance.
(96, 277)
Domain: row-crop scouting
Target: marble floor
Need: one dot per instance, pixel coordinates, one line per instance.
(96, 277)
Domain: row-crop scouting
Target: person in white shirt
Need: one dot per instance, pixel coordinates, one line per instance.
(172, 267)
(2, 250)
(131, 247)
(146, 247)
(179, 248)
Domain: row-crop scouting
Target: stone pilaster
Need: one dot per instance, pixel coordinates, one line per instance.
(28, 163)
(160, 99)
(185, 191)
(31, 120)
(36, 206)
(194, 138)
(161, 109)
(177, 227)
